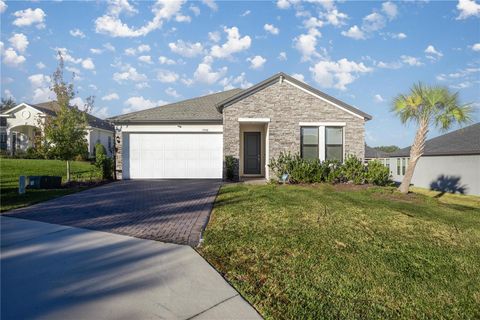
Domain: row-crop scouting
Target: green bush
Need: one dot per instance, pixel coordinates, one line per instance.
(103, 162)
(353, 170)
(377, 173)
(230, 166)
(332, 171)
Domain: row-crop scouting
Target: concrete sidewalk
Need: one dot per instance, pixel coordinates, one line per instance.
(56, 272)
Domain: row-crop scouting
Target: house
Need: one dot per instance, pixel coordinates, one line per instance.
(22, 123)
(374, 154)
(191, 138)
(450, 163)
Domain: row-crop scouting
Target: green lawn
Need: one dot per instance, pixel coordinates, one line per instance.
(324, 252)
(11, 169)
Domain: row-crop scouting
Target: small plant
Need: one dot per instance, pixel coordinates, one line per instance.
(353, 170)
(377, 173)
(230, 166)
(102, 162)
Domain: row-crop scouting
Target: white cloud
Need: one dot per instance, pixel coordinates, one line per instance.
(12, 59)
(93, 87)
(40, 65)
(282, 56)
(205, 74)
(390, 9)
(373, 22)
(77, 33)
(73, 70)
(271, 28)
(140, 103)
(96, 51)
(167, 76)
(354, 33)
(233, 82)
(88, 64)
(66, 56)
(3, 6)
(313, 22)
(140, 49)
(256, 62)
(468, 8)
(110, 97)
(399, 36)
(41, 88)
(111, 24)
(306, 43)
(245, 13)
(337, 74)
(476, 47)
(109, 47)
(195, 10)
(172, 92)
(411, 61)
(283, 4)
(299, 77)
(186, 49)
(431, 50)
(234, 44)
(19, 41)
(145, 59)
(211, 4)
(101, 113)
(8, 94)
(378, 98)
(30, 17)
(165, 60)
(335, 17)
(214, 36)
(129, 73)
(142, 85)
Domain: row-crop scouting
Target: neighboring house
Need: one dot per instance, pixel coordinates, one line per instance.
(374, 154)
(450, 163)
(20, 126)
(190, 139)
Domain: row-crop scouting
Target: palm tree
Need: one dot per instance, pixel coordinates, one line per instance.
(426, 105)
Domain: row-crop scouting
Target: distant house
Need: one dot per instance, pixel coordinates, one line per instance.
(21, 124)
(374, 154)
(450, 163)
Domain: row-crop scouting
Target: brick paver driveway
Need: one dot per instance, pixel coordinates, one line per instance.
(165, 210)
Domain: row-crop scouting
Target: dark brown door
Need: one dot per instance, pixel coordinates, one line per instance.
(251, 153)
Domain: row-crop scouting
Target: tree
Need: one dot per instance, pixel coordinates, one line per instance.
(64, 134)
(7, 103)
(387, 149)
(425, 106)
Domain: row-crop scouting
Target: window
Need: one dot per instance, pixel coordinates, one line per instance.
(398, 166)
(334, 143)
(404, 165)
(309, 142)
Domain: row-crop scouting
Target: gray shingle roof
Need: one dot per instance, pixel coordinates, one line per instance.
(191, 110)
(259, 86)
(371, 153)
(51, 108)
(459, 142)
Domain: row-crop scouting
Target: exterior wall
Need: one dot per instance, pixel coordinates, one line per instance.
(286, 106)
(122, 131)
(99, 135)
(23, 121)
(430, 169)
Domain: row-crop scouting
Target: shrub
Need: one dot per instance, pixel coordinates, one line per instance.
(333, 172)
(230, 166)
(353, 170)
(104, 163)
(377, 173)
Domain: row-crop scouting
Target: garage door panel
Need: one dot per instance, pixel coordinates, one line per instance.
(170, 155)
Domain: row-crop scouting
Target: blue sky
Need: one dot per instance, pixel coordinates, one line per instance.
(137, 54)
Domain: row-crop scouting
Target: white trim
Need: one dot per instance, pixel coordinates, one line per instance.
(254, 120)
(322, 98)
(325, 124)
(321, 143)
(23, 104)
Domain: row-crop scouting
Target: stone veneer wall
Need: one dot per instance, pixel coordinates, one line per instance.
(287, 106)
(118, 152)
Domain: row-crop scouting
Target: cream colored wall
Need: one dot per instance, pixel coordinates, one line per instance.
(252, 127)
(101, 136)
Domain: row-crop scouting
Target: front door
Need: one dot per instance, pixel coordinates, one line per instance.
(251, 153)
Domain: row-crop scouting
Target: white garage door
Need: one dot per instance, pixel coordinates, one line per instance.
(174, 155)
